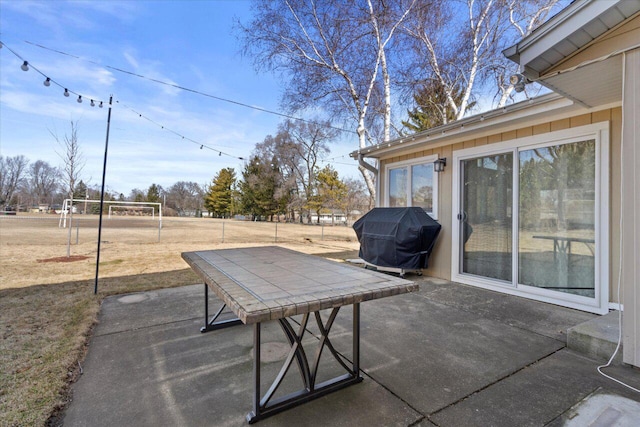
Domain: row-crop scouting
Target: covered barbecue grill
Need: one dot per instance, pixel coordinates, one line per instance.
(396, 239)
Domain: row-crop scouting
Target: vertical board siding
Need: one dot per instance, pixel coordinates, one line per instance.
(631, 209)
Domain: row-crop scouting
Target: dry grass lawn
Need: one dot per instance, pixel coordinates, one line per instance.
(47, 309)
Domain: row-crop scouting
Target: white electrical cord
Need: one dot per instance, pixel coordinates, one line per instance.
(624, 64)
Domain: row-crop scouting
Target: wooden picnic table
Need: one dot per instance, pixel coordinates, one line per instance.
(261, 284)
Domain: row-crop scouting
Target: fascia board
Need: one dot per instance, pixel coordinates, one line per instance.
(561, 26)
(472, 124)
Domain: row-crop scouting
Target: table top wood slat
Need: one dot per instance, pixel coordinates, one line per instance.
(268, 283)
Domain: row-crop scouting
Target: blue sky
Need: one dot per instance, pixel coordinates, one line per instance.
(187, 43)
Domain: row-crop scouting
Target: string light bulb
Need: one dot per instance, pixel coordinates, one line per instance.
(79, 99)
(93, 104)
(201, 146)
(47, 82)
(100, 106)
(66, 92)
(25, 66)
(219, 153)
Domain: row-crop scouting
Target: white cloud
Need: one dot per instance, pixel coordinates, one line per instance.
(131, 60)
(59, 15)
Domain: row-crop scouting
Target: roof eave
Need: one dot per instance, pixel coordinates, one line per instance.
(468, 125)
(559, 27)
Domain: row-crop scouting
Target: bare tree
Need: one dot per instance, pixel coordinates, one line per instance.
(184, 196)
(355, 199)
(72, 158)
(333, 53)
(298, 148)
(12, 174)
(43, 180)
(73, 164)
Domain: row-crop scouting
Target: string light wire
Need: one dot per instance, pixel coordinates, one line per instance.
(195, 91)
(93, 100)
(48, 80)
(178, 134)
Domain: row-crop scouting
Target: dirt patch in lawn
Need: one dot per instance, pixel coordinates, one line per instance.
(71, 258)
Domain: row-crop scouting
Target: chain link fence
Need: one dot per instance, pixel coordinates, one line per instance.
(49, 230)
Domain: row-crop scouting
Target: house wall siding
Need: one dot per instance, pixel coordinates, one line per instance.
(631, 213)
(440, 261)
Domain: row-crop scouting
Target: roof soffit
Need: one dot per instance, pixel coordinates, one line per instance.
(568, 32)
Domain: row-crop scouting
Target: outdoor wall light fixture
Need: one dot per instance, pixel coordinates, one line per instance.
(518, 81)
(438, 165)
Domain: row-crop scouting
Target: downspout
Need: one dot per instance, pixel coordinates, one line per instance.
(367, 166)
(374, 171)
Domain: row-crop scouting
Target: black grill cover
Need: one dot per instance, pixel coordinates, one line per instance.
(397, 237)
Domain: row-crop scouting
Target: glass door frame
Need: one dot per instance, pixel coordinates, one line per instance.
(598, 132)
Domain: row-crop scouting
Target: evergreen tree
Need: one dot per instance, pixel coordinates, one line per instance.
(261, 188)
(432, 108)
(80, 191)
(220, 195)
(331, 192)
(154, 195)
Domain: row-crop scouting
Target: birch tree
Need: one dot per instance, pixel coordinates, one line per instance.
(334, 55)
(524, 17)
(459, 46)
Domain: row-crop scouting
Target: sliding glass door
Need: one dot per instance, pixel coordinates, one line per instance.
(556, 231)
(532, 217)
(486, 221)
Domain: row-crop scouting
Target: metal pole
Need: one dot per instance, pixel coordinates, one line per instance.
(256, 369)
(104, 172)
(356, 339)
(69, 231)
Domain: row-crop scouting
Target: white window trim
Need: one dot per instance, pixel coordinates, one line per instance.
(408, 163)
(600, 133)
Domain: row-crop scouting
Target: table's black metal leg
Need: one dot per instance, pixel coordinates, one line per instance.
(255, 414)
(356, 340)
(324, 341)
(212, 325)
(297, 351)
(267, 405)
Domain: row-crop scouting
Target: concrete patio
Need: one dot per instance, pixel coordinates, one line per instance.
(448, 355)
